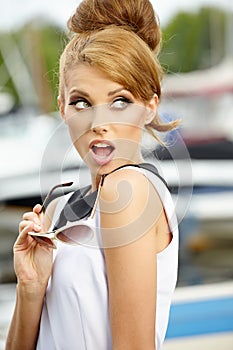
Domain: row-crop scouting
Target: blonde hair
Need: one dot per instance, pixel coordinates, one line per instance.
(122, 39)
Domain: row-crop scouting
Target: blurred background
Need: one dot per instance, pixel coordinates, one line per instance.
(36, 153)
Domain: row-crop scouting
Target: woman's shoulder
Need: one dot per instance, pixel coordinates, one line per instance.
(129, 207)
(127, 181)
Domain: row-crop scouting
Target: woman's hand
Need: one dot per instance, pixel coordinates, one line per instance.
(33, 266)
(32, 261)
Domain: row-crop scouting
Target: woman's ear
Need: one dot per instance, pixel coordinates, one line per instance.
(152, 109)
(61, 108)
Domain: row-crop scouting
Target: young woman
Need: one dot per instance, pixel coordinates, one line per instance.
(113, 291)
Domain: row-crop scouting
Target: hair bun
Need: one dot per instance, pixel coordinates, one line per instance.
(135, 15)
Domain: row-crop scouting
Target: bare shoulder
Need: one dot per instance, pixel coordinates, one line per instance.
(127, 181)
(130, 207)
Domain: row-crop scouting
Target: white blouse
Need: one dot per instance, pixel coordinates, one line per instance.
(75, 314)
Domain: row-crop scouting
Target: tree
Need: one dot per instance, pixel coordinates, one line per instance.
(194, 40)
(38, 46)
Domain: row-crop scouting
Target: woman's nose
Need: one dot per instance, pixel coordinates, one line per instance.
(100, 120)
(101, 129)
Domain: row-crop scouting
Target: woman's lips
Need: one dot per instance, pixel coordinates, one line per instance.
(102, 151)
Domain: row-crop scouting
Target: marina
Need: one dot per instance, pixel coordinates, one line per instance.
(36, 153)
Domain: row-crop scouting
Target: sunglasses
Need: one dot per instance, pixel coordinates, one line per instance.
(73, 233)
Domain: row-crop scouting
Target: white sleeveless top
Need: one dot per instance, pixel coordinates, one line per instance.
(75, 314)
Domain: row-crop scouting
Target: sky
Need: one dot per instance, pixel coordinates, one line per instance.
(13, 13)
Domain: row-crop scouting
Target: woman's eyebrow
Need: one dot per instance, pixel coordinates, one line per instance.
(80, 92)
(83, 93)
(115, 91)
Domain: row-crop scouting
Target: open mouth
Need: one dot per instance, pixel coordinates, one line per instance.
(102, 152)
(102, 149)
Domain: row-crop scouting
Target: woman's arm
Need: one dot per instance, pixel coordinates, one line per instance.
(33, 265)
(24, 327)
(130, 212)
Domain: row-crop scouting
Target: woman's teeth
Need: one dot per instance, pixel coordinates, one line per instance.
(101, 145)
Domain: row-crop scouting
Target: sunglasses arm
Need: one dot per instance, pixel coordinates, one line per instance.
(47, 198)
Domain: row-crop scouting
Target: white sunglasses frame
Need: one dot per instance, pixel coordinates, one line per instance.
(52, 236)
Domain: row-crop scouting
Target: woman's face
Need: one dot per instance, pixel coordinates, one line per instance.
(105, 120)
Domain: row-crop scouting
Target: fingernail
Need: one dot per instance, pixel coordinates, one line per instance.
(37, 227)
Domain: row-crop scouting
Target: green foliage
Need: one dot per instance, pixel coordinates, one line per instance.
(53, 44)
(40, 48)
(193, 40)
(6, 83)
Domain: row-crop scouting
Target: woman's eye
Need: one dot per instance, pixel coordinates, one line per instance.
(80, 104)
(120, 103)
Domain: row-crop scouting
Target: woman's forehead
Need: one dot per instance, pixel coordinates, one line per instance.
(90, 79)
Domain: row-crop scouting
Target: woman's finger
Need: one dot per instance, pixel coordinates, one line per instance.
(23, 235)
(23, 224)
(35, 226)
(30, 216)
(37, 208)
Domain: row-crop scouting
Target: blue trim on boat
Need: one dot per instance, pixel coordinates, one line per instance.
(200, 317)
